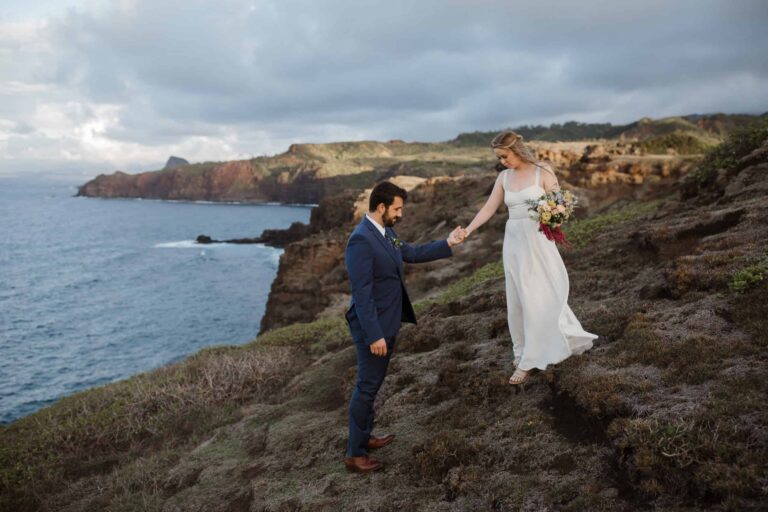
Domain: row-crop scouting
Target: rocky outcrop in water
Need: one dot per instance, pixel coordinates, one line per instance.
(272, 237)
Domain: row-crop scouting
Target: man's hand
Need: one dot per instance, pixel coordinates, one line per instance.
(379, 347)
(457, 236)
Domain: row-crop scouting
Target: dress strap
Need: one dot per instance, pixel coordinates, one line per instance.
(538, 175)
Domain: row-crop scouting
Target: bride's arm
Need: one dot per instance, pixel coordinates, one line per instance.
(550, 182)
(495, 199)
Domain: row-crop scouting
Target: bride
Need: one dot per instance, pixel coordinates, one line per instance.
(543, 328)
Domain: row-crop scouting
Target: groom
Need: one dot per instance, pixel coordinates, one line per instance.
(374, 259)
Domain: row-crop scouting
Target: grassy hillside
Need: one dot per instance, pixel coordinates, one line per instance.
(669, 410)
(308, 172)
(702, 131)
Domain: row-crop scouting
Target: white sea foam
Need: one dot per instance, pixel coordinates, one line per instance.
(303, 205)
(183, 244)
(201, 201)
(274, 255)
(192, 244)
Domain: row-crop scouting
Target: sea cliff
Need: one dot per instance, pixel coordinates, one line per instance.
(306, 173)
(668, 411)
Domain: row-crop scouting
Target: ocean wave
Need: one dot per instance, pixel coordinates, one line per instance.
(274, 256)
(184, 244)
(192, 244)
(203, 201)
(302, 205)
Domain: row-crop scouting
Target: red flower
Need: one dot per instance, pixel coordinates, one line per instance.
(556, 235)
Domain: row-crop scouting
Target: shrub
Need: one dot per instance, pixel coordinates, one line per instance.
(750, 276)
(580, 232)
(462, 287)
(726, 155)
(322, 333)
(434, 458)
(682, 143)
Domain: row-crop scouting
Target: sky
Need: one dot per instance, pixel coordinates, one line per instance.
(96, 86)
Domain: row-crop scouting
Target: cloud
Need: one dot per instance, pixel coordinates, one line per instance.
(124, 84)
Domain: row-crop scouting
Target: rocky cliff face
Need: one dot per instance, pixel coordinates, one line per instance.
(229, 181)
(307, 173)
(311, 280)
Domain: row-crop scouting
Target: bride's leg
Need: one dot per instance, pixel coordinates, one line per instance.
(514, 317)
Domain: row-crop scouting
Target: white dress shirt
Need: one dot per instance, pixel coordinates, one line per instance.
(378, 226)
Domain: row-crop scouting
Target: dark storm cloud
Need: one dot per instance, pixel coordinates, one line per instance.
(241, 62)
(427, 70)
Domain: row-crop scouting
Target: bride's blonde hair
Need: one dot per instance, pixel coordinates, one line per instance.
(514, 142)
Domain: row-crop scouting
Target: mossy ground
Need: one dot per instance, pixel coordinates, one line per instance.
(667, 411)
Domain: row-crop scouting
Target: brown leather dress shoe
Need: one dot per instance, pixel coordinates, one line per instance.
(377, 442)
(364, 464)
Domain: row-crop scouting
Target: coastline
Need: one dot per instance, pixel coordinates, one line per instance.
(633, 423)
(85, 299)
(200, 201)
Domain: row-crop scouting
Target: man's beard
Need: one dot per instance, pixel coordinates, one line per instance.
(388, 221)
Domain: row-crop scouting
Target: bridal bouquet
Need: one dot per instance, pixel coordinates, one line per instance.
(551, 210)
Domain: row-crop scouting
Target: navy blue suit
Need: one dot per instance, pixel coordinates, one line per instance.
(379, 304)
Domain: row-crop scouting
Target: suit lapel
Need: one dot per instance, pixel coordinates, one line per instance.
(386, 244)
(397, 252)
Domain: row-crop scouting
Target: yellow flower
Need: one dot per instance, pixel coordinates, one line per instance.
(551, 203)
(546, 216)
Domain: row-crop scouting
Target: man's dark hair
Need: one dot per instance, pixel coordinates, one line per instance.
(385, 192)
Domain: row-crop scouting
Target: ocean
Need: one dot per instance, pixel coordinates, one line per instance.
(96, 290)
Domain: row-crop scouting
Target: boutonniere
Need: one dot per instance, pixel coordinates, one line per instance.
(395, 241)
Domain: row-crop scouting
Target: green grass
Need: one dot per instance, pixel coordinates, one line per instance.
(750, 276)
(106, 426)
(464, 286)
(682, 143)
(320, 335)
(580, 232)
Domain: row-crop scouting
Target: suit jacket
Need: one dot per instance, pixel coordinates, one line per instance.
(380, 301)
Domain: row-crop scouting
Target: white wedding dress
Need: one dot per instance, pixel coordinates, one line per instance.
(543, 328)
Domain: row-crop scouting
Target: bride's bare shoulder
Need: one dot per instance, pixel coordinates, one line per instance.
(549, 179)
(547, 166)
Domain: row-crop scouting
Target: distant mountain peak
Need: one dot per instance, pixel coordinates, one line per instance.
(175, 161)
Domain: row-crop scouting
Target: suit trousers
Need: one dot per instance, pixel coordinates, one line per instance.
(371, 370)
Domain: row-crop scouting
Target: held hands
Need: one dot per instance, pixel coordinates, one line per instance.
(457, 236)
